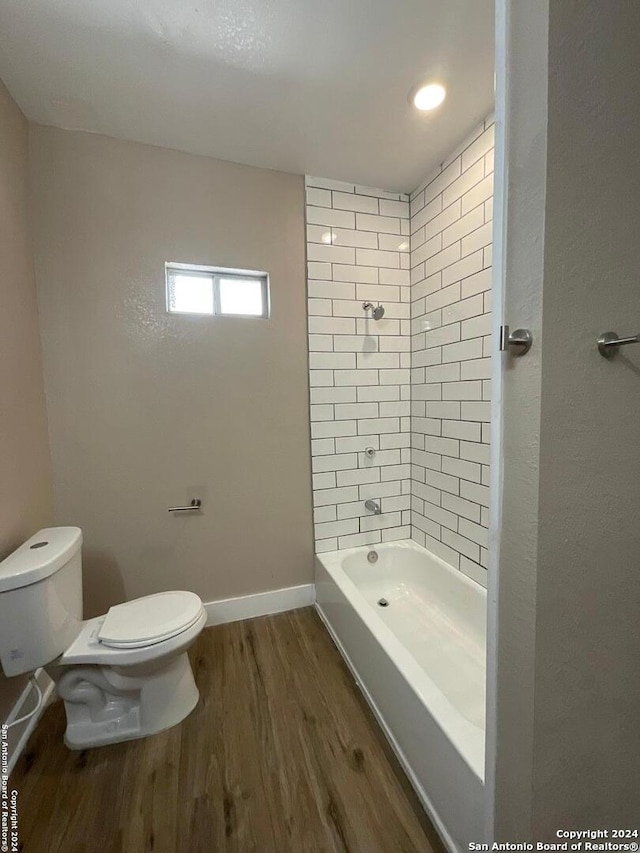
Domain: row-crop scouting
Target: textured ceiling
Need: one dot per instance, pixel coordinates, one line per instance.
(304, 86)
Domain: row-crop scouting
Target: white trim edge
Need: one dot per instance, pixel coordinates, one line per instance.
(259, 604)
(25, 729)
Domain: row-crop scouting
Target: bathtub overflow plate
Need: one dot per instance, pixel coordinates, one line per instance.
(382, 602)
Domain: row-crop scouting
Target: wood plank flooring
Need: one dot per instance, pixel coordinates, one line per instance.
(280, 756)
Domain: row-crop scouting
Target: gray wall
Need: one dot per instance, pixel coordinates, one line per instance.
(569, 595)
(145, 409)
(25, 467)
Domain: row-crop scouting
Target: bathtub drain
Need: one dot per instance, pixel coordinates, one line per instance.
(382, 602)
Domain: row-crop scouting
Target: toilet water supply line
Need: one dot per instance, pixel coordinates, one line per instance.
(34, 683)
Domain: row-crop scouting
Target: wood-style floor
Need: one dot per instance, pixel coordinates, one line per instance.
(280, 756)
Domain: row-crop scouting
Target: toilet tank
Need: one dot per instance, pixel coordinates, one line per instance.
(40, 599)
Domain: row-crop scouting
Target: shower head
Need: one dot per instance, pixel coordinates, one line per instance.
(377, 311)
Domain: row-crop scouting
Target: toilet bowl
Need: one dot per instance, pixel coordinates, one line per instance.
(127, 674)
(123, 675)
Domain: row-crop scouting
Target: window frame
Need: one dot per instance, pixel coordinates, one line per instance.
(216, 273)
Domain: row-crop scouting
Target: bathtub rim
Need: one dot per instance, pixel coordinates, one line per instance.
(469, 740)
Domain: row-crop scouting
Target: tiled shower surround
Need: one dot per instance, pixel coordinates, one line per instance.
(451, 234)
(358, 250)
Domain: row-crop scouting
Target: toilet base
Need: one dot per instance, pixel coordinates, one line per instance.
(107, 705)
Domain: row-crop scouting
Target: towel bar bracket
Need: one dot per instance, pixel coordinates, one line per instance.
(610, 342)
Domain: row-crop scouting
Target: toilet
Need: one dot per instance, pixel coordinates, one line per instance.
(123, 675)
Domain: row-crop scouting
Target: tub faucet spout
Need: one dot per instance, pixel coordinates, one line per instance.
(373, 507)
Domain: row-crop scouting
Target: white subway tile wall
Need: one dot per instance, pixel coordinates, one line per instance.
(358, 251)
(451, 234)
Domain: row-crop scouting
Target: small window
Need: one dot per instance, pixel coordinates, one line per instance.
(216, 292)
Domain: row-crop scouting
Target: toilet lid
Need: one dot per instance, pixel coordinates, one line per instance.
(149, 620)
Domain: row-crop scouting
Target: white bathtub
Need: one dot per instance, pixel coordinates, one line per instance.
(420, 662)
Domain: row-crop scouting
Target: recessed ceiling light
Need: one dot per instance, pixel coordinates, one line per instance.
(428, 97)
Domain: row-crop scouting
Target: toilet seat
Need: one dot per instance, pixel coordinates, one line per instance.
(88, 649)
(149, 620)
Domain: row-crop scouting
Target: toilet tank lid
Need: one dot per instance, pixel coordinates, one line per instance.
(39, 557)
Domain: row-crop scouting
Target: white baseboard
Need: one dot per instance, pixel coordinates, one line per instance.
(259, 604)
(19, 735)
